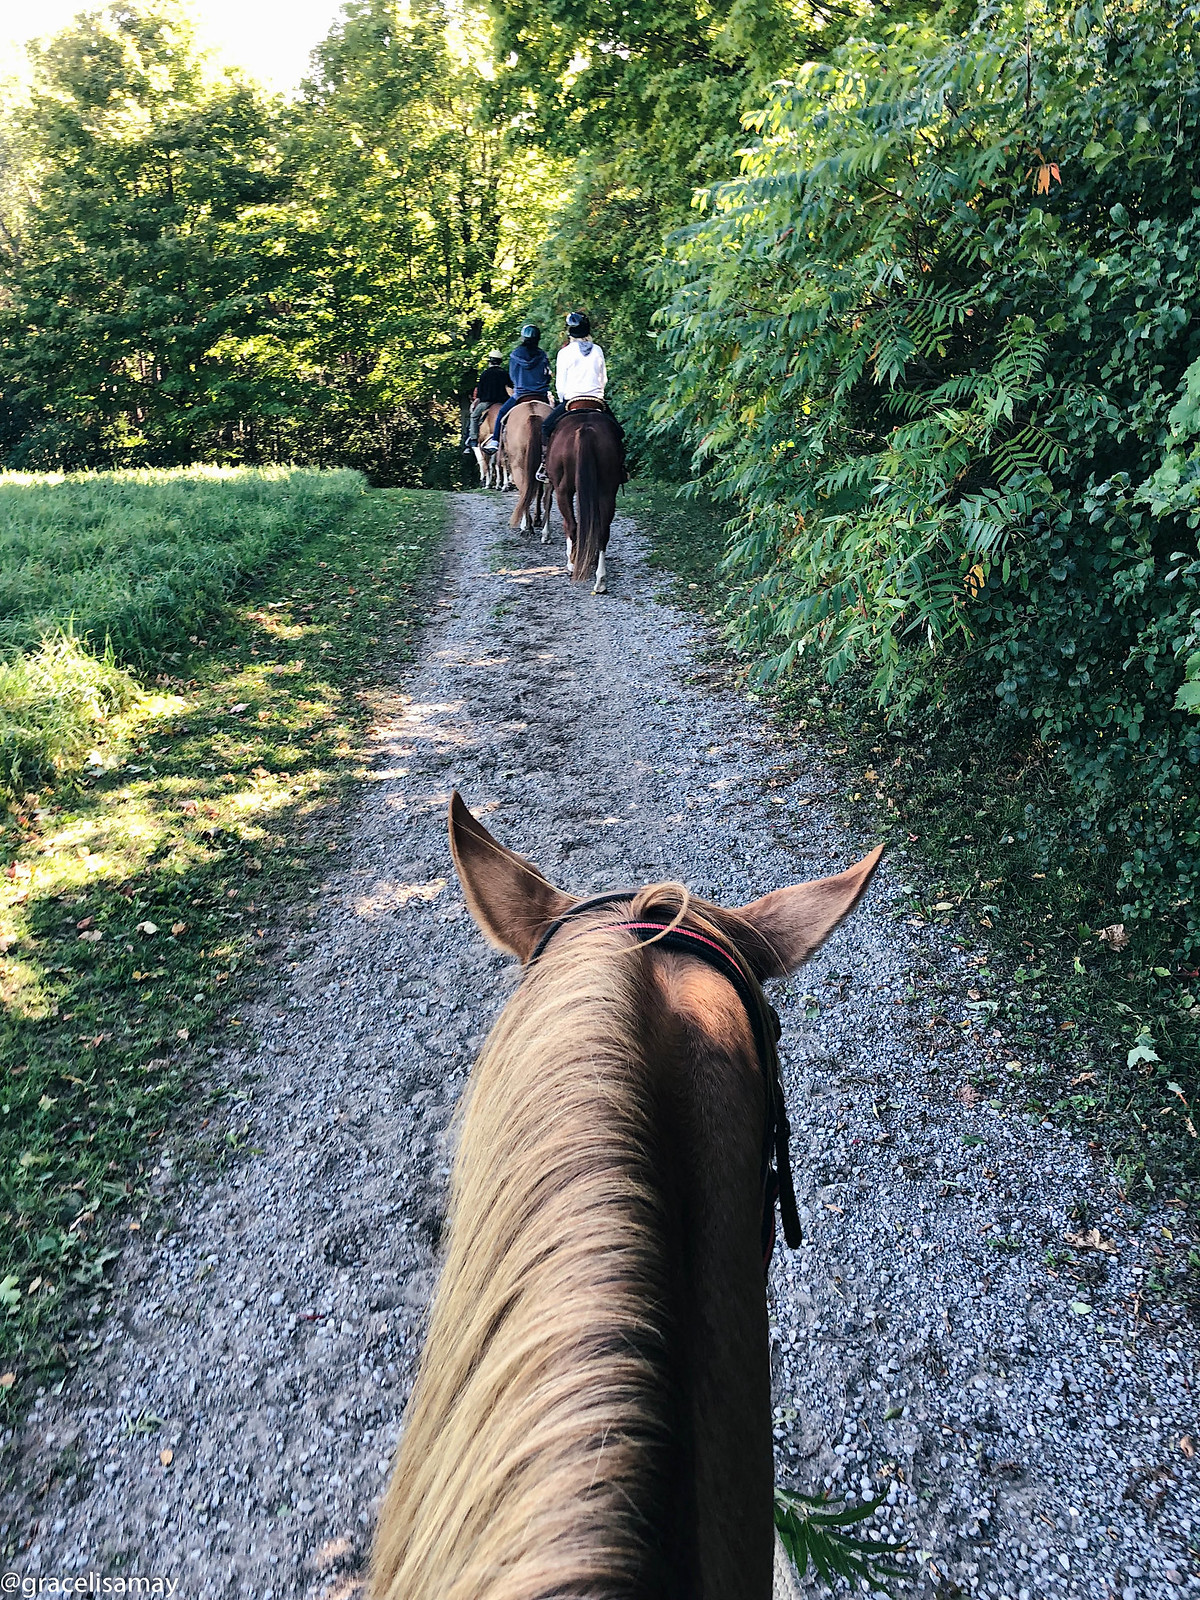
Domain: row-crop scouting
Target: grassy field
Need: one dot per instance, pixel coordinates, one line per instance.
(101, 567)
(142, 897)
(1114, 1030)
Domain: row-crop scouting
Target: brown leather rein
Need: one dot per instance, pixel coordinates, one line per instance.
(764, 1024)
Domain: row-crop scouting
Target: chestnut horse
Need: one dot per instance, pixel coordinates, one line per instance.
(592, 1411)
(522, 442)
(586, 466)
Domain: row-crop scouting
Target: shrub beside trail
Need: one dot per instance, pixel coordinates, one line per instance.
(938, 350)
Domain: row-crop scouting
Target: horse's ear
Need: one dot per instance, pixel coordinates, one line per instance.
(788, 926)
(507, 895)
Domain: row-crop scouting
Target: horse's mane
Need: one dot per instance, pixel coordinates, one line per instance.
(535, 1461)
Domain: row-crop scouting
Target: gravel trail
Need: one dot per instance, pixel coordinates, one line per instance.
(233, 1427)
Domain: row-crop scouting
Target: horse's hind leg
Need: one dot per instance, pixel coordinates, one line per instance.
(567, 512)
(543, 512)
(608, 510)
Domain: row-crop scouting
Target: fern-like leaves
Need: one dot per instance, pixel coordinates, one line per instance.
(814, 1530)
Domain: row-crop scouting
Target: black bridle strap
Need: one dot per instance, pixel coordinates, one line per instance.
(762, 1016)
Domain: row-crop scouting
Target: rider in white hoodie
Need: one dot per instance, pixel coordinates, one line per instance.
(580, 374)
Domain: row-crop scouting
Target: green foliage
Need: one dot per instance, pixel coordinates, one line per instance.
(190, 269)
(144, 900)
(142, 559)
(54, 704)
(648, 102)
(139, 304)
(813, 1531)
(933, 345)
(414, 227)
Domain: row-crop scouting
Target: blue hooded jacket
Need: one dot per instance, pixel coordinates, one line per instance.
(529, 370)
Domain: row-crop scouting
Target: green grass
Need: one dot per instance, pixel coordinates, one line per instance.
(1106, 1039)
(141, 902)
(144, 558)
(56, 702)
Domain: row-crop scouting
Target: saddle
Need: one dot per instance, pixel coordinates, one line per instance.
(586, 403)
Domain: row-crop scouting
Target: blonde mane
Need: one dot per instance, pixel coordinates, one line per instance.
(536, 1455)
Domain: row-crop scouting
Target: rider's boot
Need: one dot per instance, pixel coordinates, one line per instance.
(540, 474)
(491, 445)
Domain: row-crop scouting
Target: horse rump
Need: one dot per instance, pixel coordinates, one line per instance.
(525, 457)
(598, 466)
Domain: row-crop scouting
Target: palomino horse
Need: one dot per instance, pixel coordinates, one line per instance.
(523, 446)
(592, 1411)
(585, 465)
(493, 464)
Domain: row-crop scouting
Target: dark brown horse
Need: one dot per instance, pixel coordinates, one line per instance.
(586, 467)
(592, 1411)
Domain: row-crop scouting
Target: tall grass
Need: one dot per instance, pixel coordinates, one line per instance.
(144, 558)
(98, 566)
(55, 703)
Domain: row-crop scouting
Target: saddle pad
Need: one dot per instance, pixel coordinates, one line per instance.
(586, 404)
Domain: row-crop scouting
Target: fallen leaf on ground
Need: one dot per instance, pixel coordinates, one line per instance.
(7, 1379)
(166, 1457)
(147, 927)
(1091, 1240)
(1187, 1446)
(190, 807)
(177, 928)
(1114, 936)
(92, 938)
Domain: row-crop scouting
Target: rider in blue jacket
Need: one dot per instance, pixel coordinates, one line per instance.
(529, 370)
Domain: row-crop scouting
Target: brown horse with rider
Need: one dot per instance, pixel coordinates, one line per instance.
(585, 452)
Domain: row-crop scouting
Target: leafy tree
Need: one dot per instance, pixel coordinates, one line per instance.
(146, 270)
(413, 225)
(933, 345)
(648, 102)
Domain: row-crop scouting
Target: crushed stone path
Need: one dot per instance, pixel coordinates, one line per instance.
(1021, 1412)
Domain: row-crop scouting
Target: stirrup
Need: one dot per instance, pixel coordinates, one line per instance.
(491, 445)
(540, 474)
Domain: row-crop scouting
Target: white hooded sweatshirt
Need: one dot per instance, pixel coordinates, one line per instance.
(580, 372)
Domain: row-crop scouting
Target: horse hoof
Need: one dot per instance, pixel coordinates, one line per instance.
(601, 588)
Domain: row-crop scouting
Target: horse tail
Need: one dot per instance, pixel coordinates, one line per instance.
(587, 504)
(533, 460)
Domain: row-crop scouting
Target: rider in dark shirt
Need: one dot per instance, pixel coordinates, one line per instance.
(493, 385)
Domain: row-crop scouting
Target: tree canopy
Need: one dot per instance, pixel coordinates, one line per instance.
(912, 287)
